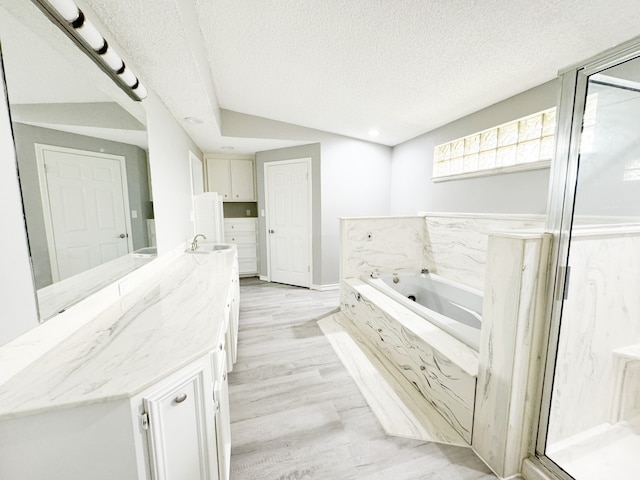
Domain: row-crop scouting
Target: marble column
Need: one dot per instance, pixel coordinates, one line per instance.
(513, 316)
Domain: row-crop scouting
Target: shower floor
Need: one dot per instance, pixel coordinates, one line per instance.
(611, 453)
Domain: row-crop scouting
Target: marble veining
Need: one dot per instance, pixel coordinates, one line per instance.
(438, 377)
(456, 245)
(398, 409)
(383, 244)
(150, 333)
(599, 318)
(513, 310)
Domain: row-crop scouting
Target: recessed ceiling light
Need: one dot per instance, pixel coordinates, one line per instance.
(374, 133)
(227, 147)
(193, 120)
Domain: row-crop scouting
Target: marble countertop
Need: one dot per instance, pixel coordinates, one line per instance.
(65, 293)
(148, 334)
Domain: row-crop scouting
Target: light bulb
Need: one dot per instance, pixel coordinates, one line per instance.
(66, 8)
(140, 91)
(128, 77)
(112, 59)
(91, 35)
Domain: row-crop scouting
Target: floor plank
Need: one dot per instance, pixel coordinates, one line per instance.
(297, 414)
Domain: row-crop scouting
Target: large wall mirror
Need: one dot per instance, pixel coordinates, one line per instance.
(81, 148)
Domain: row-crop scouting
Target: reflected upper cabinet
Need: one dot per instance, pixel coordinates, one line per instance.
(232, 176)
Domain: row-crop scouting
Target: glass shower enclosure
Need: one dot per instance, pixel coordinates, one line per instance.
(590, 416)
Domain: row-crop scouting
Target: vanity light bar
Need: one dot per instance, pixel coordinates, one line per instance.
(73, 22)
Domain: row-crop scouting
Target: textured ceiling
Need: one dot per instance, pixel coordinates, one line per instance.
(402, 67)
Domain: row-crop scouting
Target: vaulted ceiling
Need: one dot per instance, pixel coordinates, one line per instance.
(347, 67)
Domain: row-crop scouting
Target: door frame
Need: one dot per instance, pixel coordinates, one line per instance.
(46, 207)
(306, 160)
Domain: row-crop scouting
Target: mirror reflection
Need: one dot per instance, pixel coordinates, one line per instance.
(81, 149)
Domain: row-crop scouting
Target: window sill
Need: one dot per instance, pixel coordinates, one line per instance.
(494, 171)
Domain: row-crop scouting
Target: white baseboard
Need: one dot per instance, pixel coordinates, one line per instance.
(264, 278)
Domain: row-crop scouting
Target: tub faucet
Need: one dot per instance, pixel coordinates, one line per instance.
(375, 274)
(194, 242)
(424, 271)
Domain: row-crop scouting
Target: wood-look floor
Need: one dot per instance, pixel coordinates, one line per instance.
(296, 414)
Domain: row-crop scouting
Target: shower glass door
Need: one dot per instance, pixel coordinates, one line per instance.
(593, 426)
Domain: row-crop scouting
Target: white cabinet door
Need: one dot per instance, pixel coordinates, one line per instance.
(232, 178)
(223, 417)
(242, 181)
(181, 419)
(219, 177)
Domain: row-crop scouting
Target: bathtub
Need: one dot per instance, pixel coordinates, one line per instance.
(451, 306)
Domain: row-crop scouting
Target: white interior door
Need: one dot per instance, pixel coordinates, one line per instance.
(288, 200)
(85, 208)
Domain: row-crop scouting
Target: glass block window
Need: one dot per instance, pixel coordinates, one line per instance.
(523, 143)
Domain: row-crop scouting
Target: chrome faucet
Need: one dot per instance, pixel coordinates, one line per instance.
(375, 274)
(194, 242)
(424, 271)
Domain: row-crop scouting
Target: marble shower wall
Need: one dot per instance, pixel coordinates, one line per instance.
(600, 323)
(386, 244)
(510, 356)
(455, 245)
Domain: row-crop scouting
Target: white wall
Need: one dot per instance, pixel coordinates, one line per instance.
(169, 147)
(354, 180)
(17, 294)
(524, 192)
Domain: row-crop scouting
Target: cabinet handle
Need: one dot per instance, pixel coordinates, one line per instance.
(181, 398)
(224, 376)
(220, 347)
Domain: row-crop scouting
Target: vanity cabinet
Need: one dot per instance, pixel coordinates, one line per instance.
(140, 392)
(179, 418)
(232, 177)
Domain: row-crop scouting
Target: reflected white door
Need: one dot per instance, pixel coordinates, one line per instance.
(288, 221)
(85, 209)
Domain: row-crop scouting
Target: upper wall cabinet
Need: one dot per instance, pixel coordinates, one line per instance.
(232, 176)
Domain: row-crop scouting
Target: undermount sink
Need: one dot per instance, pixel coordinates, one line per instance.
(208, 248)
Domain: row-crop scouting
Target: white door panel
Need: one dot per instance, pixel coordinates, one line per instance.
(288, 201)
(85, 208)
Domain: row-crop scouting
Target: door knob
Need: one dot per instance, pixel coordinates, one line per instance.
(272, 231)
(122, 235)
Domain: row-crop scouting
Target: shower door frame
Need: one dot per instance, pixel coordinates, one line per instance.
(562, 189)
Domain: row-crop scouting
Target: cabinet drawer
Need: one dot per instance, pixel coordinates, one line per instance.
(239, 238)
(248, 266)
(240, 225)
(246, 252)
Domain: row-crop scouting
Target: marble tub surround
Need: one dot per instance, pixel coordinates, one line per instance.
(384, 244)
(399, 408)
(456, 244)
(510, 348)
(152, 331)
(441, 368)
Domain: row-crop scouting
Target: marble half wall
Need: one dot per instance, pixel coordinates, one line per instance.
(386, 244)
(510, 348)
(456, 245)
